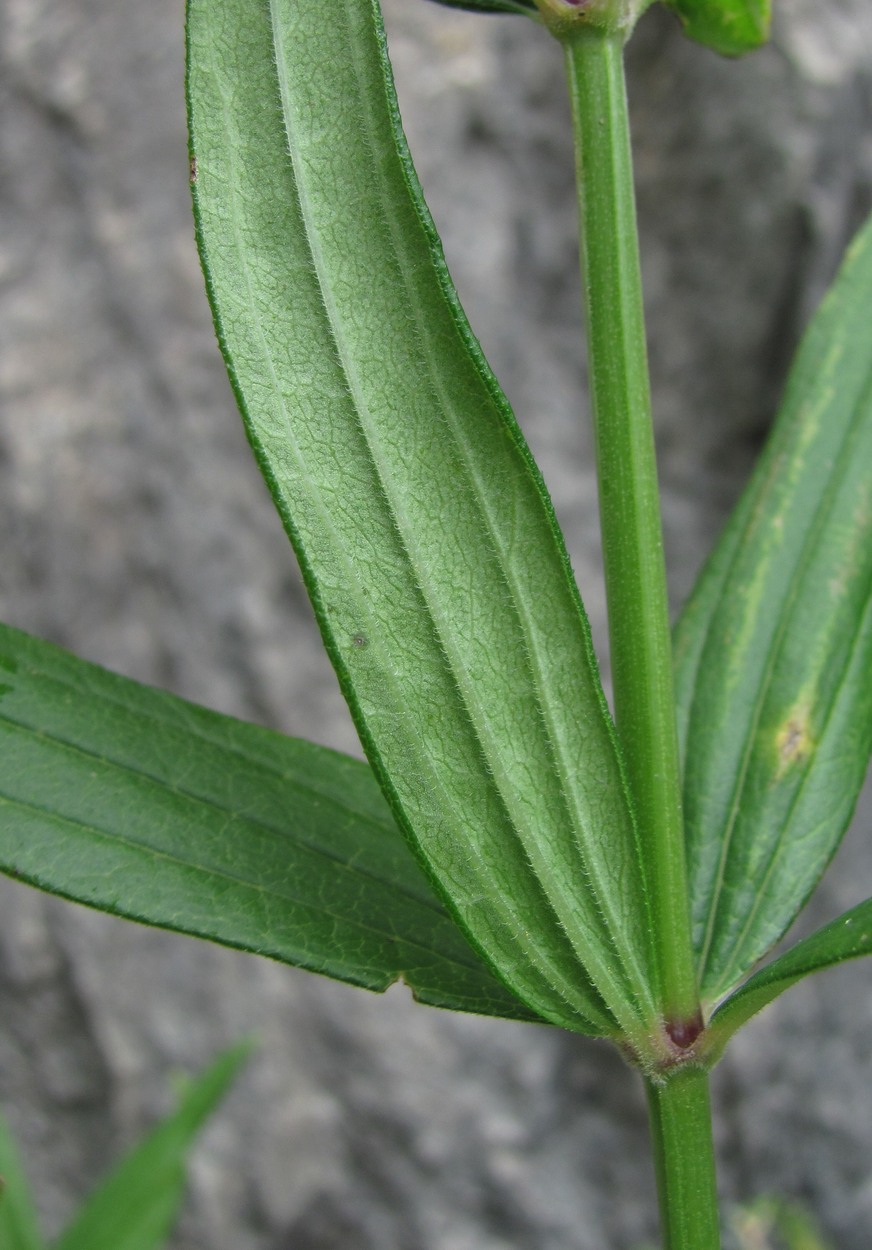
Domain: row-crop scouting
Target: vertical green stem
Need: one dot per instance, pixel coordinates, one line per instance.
(641, 649)
(681, 1136)
(641, 646)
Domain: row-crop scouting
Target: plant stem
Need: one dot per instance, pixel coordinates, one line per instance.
(681, 1136)
(641, 649)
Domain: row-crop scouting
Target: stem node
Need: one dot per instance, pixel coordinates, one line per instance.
(684, 1032)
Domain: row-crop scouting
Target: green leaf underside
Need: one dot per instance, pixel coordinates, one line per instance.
(525, 7)
(848, 937)
(138, 803)
(774, 651)
(138, 1203)
(429, 546)
(731, 27)
(18, 1225)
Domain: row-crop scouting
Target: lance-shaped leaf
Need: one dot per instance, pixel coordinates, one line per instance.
(775, 648)
(424, 531)
(18, 1227)
(728, 26)
(138, 1203)
(847, 937)
(138, 803)
(525, 7)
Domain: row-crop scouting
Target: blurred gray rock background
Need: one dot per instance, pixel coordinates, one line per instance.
(136, 531)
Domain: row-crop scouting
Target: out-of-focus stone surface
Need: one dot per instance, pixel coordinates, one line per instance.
(135, 530)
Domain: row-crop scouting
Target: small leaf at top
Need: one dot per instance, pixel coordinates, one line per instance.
(140, 804)
(774, 652)
(848, 937)
(430, 549)
(727, 26)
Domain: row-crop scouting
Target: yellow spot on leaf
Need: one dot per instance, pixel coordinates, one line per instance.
(793, 741)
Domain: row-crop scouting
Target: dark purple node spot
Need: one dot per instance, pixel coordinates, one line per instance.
(683, 1033)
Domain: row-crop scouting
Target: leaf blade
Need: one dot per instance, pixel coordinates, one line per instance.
(847, 937)
(776, 709)
(137, 1204)
(130, 800)
(19, 1229)
(428, 544)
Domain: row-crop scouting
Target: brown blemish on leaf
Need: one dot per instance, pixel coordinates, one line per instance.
(793, 741)
(192, 170)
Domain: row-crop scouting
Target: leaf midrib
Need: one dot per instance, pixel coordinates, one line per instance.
(288, 777)
(266, 892)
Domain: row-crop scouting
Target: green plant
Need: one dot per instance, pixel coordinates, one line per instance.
(770, 1224)
(623, 880)
(136, 1206)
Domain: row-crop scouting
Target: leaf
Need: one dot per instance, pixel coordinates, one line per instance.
(18, 1226)
(731, 27)
(137, 1205)
(425, 534)
(847, 937)
(771, 1223)
(135, 802)
(775, 648)
(526, 7)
